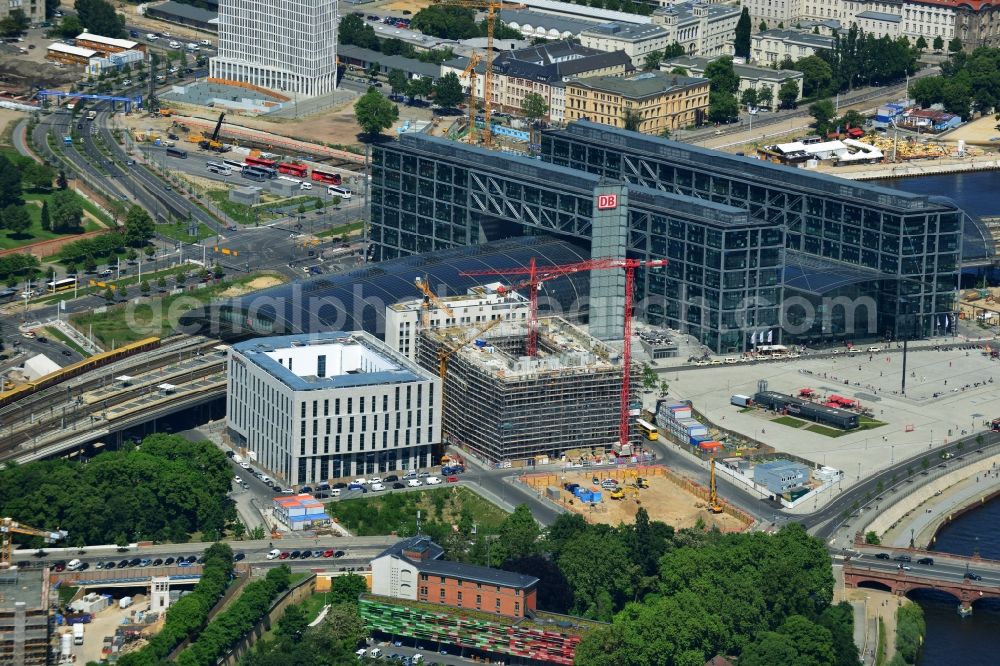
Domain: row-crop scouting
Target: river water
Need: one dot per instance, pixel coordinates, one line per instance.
(952, 640)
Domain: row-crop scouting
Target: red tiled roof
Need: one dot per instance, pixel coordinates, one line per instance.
(975, 5)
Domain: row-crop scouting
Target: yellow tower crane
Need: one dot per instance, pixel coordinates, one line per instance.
(714, 505)
(9, 527)
(470, 73)
(430, 297)
(492, 8)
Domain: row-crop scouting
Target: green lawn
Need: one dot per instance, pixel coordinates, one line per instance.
(54, 332)
(35, 233)
(129, 322)
(179, 232)
(130, 281)
(376, 514)
(342, 230)
(239, 212)
(866, 423)
(789, 421)
(829, 432)
(313, 605)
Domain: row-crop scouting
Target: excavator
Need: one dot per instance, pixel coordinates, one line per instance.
(714, 505)
(213, 143)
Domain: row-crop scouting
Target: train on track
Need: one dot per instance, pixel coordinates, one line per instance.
(78, 368)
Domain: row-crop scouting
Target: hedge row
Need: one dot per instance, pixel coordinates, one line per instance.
(236, 621)
(187, 617)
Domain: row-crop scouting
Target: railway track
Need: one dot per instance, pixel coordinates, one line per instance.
(62, 419)
(72, 387)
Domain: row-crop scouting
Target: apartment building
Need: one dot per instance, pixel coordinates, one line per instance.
(33, 9)
(701, 28)
(637, 40)
(312, 408)
(546, 68)
(764, 80)
(773, 46)
(289, 46)
(662, 101)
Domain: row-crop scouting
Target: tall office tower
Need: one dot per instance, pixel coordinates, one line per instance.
(288, 46)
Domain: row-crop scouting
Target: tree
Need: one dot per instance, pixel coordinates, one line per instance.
(748, 97)
(421, 87)
(10, 183)
(921, 44)
(533, 107)
(631, 119)
(16, 219)
(447, 22)
(67, 212)
(722, 106)
(302, 208)
(46, 221)
(293, 622)
(144, 287)
(871, 537)
(853, 119)
(139, 226)
(955, 45)
(161, 284)
(518, 536)
(741, 44)
(938, 44)
(217, 272)
(99, 17)
(674, 50)
(14, 24)
(823, 114)
(816, 75)
(652, 60)
(374, 112)
(722, 77)
(762, 27)
(61, 179)
(347, 589)
(398, 81)
(448, 91)
(354, 30)
(788, 94)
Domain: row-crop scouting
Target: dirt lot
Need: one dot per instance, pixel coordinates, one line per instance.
(253, 285)
(663, 500)
(978, 132)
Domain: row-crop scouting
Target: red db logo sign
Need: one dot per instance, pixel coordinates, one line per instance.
(607, 201)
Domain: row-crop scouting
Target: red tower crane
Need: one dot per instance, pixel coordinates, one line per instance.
(538, 274)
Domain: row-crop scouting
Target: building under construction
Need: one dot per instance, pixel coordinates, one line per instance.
(506, 406)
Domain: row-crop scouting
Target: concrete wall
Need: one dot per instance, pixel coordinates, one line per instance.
(891, 515)
(294, 595)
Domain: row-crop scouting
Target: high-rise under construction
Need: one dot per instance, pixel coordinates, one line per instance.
(506, 406)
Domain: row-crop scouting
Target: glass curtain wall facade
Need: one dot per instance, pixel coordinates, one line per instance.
(913, 241)
(429, 194)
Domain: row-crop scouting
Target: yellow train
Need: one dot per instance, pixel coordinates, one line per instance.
(78, 368)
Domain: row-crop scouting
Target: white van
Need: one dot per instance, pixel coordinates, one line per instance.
(265, 478)
(335, 492)
(339, 191)
(174, 45)
(305, 186)
(375, 653)
(273, 554)
(151, 37)
(361, 653)
(74, 565)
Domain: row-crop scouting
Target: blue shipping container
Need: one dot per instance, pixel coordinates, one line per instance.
(595, 497)
(698, 439)
(586, 495)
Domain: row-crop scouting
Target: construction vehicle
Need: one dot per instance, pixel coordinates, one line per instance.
(9, 527)
(713, 497)
(430, 297)
(213, 143)
(166, 113)
(618, 493)
(539, 274)
(641, 482)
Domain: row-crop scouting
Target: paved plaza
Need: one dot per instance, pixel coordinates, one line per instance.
(941, 401)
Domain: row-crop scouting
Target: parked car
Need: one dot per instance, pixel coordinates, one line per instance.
(377, 487)
(398, 485)
(328, 553)
(238, 557)
(294, 555)
(168, 561)
(452, 479)
(433, 480)
(391, 477)
(413, 483)
(283, 556)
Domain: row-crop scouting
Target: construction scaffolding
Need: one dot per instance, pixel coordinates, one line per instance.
(506, 406)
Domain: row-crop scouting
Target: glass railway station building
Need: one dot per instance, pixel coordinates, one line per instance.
(754, 248)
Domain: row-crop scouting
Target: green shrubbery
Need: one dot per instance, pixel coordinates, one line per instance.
(188, 615)
(232, 624)
(910, 632)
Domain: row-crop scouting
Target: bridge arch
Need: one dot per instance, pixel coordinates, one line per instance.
(874, 585)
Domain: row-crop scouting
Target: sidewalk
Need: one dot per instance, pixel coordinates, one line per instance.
(934, 512)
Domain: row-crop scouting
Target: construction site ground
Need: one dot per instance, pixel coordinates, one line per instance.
(104, 624)
(663, 500)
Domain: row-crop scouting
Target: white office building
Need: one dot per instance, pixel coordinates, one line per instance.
(288, 47)
(319, 407)
(479, 307)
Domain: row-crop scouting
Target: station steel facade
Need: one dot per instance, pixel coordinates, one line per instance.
(753, 247)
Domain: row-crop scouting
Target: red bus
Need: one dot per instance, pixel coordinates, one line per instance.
(293, 169)
(256, 161)
(326, 177)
